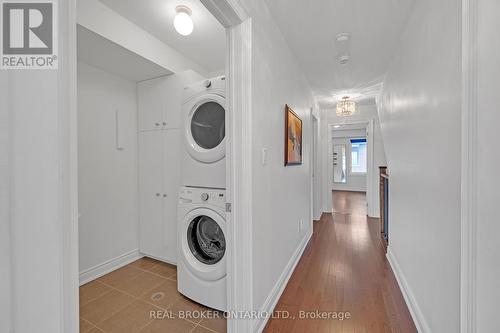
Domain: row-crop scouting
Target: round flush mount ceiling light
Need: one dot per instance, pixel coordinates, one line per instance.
(182, 21)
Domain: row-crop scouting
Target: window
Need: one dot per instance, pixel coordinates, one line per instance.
(358, 156)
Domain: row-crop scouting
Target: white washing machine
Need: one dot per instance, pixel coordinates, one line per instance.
(204, 131)
(201, 260)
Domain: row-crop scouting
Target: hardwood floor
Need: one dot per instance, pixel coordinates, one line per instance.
(344, 269)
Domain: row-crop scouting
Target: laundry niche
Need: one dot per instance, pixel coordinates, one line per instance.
(160, 145)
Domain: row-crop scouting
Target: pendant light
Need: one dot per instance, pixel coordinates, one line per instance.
(346, 107)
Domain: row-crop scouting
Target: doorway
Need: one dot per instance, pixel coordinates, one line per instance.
(238, 37)
(351, 161)
(349, 157)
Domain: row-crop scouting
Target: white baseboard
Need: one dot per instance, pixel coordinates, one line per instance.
(168, 261)
(109, 266)
(318, 217)
(411, 302)
(280, 285)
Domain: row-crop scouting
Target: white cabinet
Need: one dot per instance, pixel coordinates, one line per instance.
(160, 100)
(151, 104)
(159, 180)
(159, 106)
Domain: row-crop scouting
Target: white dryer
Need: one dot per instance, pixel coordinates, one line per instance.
(201, 259)
(204, 131)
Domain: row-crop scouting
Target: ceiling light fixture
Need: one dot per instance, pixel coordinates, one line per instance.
(182, 21)
(346, 107)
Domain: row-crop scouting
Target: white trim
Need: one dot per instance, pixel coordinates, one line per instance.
(371, 191)
(468, 259)
(232, 15)
(171, 262)
(68, 166)
(228, 12)
(108, 266)
(282, 282)
(239, 176)
(314, 174)
(411, 302)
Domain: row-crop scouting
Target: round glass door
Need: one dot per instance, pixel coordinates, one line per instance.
(206, 240)
(208, 125)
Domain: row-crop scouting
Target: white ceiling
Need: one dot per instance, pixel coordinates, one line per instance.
(311, 27)
(114, 58)
(205, 46)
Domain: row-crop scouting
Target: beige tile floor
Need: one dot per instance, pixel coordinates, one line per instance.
(122, 301)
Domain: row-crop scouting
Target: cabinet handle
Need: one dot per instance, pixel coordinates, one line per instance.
(157, 194)
(164, 123)
(157, 124)
(164, 195)
(117, 130)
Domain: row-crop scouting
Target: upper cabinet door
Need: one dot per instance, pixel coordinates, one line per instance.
(173, 87)
(160, 100)
(151, 100)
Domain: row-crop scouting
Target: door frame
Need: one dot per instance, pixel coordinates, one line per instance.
(238, 27)
(370, 193)
(469, 203)
(316, 191)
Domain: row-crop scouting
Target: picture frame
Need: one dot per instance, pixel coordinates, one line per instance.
(293, 137)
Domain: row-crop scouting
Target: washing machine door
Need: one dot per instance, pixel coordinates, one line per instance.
(203, 244)
(205, 128)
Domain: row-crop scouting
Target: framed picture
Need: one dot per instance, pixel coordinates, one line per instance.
(293, 137)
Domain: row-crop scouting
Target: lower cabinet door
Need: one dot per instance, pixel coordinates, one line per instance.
(151, 193)
(171, 183)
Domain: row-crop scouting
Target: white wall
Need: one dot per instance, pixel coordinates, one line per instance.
(108, 179)
(488, 160)
(281, 195)
(5, 264)
(40, 216)
(36, 244)
(420, 119)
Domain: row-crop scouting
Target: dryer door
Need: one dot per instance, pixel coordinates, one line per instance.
(205, 128)
(203, 244)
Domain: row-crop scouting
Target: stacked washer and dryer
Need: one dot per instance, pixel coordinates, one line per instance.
(201, 267)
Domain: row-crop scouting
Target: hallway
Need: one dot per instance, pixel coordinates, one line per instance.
(344, 270)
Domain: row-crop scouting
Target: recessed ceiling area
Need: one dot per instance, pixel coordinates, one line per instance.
(114, 58)
(206, 44)
(311, 30)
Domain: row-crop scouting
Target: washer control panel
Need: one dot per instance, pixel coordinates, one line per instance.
(193, 195)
